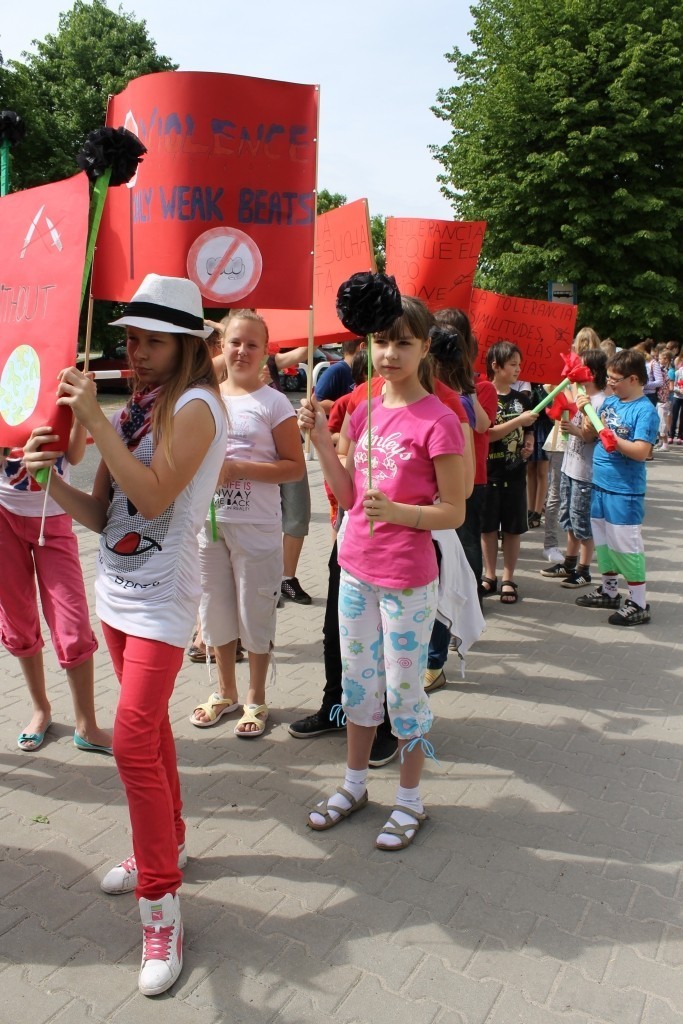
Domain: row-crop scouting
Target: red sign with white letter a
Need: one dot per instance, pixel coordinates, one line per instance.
(225, 194)
(44, 233)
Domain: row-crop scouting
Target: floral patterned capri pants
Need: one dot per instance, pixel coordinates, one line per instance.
(384, 638)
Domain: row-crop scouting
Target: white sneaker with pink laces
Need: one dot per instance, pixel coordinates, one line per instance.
(124, 877)
(162, 944)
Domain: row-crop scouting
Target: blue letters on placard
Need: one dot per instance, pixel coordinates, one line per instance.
(191, 202)
(259, 206)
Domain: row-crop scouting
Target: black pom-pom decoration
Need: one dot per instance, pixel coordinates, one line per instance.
(12, 127)
(445, 346)
(111, 147)
(368, 303)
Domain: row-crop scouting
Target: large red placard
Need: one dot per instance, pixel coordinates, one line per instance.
(44, 233)
(343, 247)
(434, 260)
(543, 331)
(225, 194)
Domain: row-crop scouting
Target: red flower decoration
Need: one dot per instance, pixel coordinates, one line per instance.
(561, 405)
(575, 370)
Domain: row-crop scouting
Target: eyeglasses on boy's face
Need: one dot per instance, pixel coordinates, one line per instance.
(615, 380)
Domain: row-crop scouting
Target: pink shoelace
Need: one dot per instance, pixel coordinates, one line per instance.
(129, 864)
(157, 942)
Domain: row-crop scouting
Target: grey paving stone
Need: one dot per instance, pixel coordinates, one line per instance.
(545, 888)
(602, 1001)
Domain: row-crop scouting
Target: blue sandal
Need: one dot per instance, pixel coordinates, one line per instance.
(34, 738)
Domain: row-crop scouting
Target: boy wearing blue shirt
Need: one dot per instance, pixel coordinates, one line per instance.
(618, 498)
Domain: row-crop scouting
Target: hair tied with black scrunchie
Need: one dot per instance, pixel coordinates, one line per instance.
(117, 148)
(367, 303)
(12, 127)
(445, 345)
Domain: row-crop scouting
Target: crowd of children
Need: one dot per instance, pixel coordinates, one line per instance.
(423, 446)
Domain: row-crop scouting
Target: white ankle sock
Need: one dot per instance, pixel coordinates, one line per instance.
(637, 593)
(409, 798)
(355, 784)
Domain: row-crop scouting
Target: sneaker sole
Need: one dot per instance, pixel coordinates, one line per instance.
(575, 586)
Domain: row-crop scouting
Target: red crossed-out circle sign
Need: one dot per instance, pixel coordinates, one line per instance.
(225, 264)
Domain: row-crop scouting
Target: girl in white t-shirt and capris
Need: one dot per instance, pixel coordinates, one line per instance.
(242, 569)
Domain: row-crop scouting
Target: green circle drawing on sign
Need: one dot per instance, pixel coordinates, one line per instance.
(20, 385)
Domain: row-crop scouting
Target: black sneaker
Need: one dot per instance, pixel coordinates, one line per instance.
(314, 725)
(598, 599)
(630, 615)
(556, 572)
(293, 591)
(576, 580)
(384, 750)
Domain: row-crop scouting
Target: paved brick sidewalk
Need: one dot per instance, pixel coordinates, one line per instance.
(545, 888)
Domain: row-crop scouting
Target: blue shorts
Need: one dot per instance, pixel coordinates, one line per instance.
(575, 507)
(617, 509)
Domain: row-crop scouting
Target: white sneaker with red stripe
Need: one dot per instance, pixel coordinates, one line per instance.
(162, 944)
(124, 877)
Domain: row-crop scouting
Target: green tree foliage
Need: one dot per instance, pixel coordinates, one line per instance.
(567, 121)
(61, 89)
(378, 230)
(329, 201)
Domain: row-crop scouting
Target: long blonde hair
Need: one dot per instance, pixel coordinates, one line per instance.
(194, 369)
(585, 340)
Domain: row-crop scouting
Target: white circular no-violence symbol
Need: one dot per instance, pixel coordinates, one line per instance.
(225, 264)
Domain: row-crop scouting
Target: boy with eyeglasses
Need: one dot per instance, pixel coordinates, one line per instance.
(618, 498)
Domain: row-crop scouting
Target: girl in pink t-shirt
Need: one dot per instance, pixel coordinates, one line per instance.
(388, 588)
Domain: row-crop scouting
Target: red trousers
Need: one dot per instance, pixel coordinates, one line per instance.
(146, 758)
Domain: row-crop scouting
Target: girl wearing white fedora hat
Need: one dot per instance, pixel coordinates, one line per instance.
(161, 456)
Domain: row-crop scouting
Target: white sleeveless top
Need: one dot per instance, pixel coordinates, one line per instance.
(147, 581)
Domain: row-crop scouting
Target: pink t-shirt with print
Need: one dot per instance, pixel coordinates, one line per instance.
(404, 442)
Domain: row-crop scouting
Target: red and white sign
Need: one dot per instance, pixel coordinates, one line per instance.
(434, 260)
(542, 331)
(225, 264)
(228, 158)
(343, 247)
(44, 234)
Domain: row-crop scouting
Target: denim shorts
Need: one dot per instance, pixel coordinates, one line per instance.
(575, 506)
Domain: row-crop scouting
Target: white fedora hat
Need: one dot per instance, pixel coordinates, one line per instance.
(170, 304)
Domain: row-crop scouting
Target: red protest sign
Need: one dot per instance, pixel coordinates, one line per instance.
(434, 260)
(343, 246)
(543, 331)
(225, 194)
(44, 233)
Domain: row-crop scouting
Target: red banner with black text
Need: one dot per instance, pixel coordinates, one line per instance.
(434, 260)
(543, 332)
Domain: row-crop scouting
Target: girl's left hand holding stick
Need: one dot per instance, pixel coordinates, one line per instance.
(379, 508)
(77, 390)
